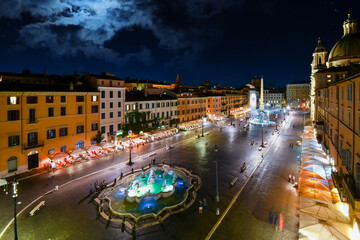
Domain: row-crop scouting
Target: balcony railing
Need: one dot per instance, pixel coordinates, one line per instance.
(32, 120)
(34, 145)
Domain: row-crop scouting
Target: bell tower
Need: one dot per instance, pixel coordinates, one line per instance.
(319, 62)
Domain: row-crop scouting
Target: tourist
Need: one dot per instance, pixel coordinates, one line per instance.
(289, 178)
(90, 189)
(205, 204)
(200, 207)
(293, 179)
(95, 185)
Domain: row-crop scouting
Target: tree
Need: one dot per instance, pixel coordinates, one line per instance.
(98, 138)
(136, 121)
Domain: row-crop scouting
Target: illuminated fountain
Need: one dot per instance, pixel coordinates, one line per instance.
(260, 118)
(149, 193)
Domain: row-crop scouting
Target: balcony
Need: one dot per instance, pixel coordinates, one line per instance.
(346, 186)
(33, 145)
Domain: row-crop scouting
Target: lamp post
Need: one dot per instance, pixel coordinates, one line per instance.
(130, 162)
(15, 183)
(276, 122)
(202, 126)
(216, 175)
(262, 134)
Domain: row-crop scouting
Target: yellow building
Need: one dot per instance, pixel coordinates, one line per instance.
(40, 120)
(191, 106)
(335, 94)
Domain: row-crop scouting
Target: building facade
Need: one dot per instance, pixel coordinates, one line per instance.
(298, 95)
(273, 98)
(41, 120)
(112, 98)
(336, 96)
(191, 106)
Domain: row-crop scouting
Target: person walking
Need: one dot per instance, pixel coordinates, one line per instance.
(204, 204)
(200, 207)
(289, 178)
(95, 185)
(293, 179)
(90, 189)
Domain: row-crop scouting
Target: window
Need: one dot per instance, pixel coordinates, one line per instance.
(63, 99)
(79, 98)
(13, 115)
(12, 100)
(140, 106)
(63, 148)
(94, 109)
(127, 107)
(119, 126)
(32, 139)
(147, 105)
(158, 105)
(102, 94)
(111, 114)
(49, 99)
(102, 129)
(80, 110)
(342, 93)
(111, 104)
(102, 115)
(111, 128)
(50, 112)
(162, 104)
(80, 129)
(119, 113)
(111, 94)
(153, 105)
(32, 118)
(63, 111)
(119, 94)
(31, 99)
(14, 140)
(349, 92)
(51, 133)
(63, 131)
(94, 98)
(119, 104)
(134, 106)
(103, 105)
(79, 144)
(12, 164)
(94, 126)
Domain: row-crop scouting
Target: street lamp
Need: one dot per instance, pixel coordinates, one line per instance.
(216, 174)
(15, 183)
(262, 134)
(202, 126)
(130, 162)
(276, 122)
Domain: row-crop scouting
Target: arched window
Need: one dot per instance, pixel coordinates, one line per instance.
(80, 144)
(63, 148)
(320, 61)
(12, 164)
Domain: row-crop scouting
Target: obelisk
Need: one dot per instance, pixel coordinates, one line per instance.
(262, 94)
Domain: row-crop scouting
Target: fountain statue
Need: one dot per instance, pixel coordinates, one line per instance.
(142, 174)
(166, 172)
(151, 178)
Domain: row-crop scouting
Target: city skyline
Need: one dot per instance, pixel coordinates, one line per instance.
(223, 42)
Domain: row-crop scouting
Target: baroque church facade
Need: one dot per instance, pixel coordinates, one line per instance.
(335, 108)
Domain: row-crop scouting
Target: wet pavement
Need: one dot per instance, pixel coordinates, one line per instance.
(70, 213)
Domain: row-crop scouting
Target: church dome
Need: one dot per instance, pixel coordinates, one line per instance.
(348, 48)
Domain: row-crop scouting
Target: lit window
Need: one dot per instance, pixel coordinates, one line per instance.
(94, 98)
(13, 100)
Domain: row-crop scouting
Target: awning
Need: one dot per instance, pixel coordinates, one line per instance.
(2, 182)
(93, 148)
(315, 228)
(59, 156)
(313, 175)
(107, 145)
(316, 195)
(77, 151)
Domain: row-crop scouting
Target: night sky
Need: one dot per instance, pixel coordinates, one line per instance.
(223, 41)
